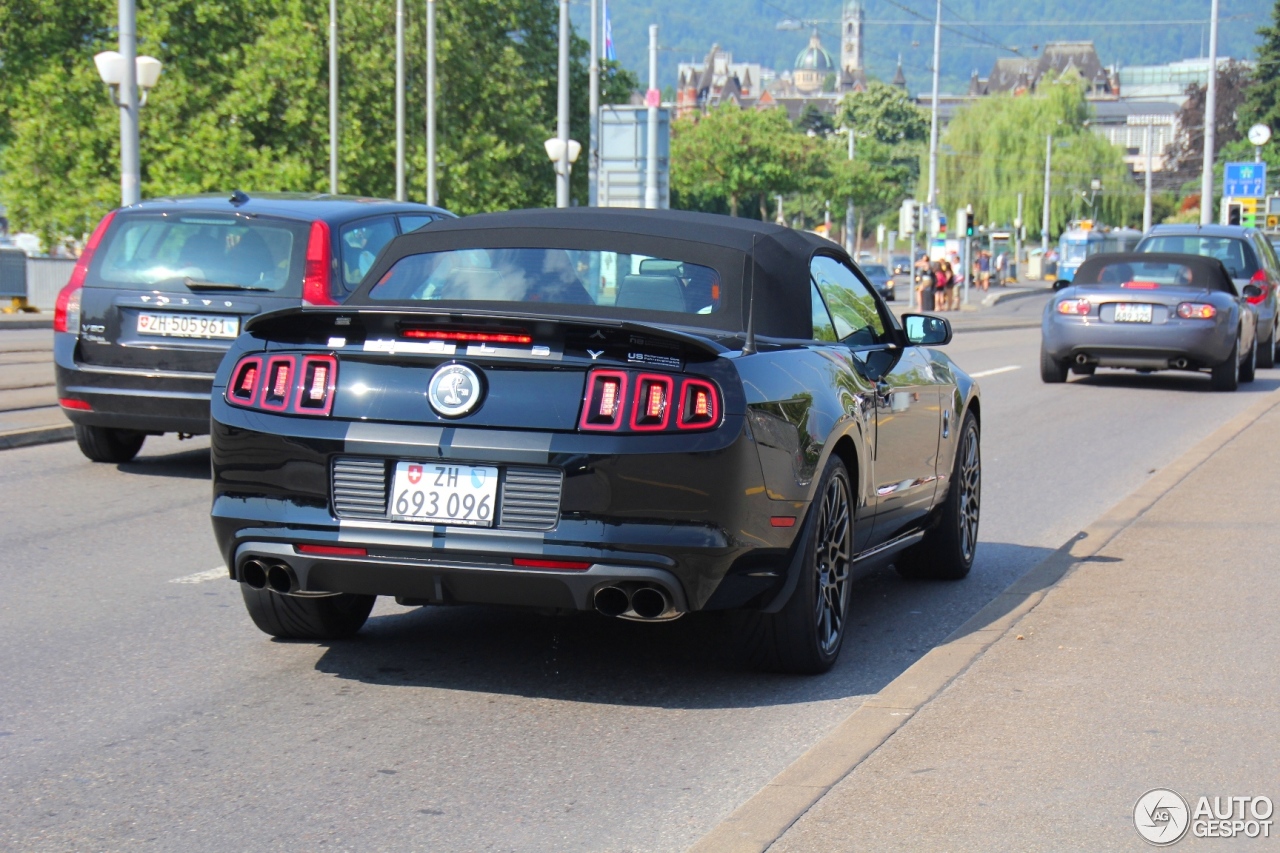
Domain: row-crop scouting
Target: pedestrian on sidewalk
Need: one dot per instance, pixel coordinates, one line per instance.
(1002, 263)
(984, 270)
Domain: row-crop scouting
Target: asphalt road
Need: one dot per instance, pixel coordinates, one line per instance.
(141, 709)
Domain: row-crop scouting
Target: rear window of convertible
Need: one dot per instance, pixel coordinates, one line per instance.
(1135, 275)
(553, 277)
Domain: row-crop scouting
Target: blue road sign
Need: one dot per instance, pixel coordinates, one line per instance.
(1244, 180)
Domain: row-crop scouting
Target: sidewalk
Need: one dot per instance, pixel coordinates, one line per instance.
(1150, 664)
(29, 412)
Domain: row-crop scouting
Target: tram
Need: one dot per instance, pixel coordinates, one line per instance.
(1085, 239)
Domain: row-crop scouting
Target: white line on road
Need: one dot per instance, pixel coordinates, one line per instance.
(216, 573)
(1006, 369)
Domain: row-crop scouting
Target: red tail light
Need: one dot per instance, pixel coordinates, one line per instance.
(331, 550)
(651, 409)
(78, 405)
(606, 394)
(529, 563)
(1141, 285)
(1260, 279)
(1074, 306)
(699, 405)
(1196, 311)
(316, 280)
(66, 310)
(512, 336)
(289, 384)
(659, 403)
(315, 392)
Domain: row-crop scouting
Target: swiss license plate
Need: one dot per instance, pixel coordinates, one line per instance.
(1132, 312)
(444, 494)
(172, 325)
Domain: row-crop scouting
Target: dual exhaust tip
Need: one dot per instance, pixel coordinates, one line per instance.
(645, 602)
(264, 574)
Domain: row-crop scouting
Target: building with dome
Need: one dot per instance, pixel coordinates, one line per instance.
(813, 66)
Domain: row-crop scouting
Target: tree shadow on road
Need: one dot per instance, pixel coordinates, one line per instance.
(692, 663)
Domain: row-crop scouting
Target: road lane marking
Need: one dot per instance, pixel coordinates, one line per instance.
(1006, 369)
(216, 573)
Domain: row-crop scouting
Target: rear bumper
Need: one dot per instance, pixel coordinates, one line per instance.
(1137, 345)
(144, 400)
(691, 517)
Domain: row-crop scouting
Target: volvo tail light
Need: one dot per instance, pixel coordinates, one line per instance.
(604, 401)
(316, 280)
(1196, 311)
(66, 310)
(286, 384)
(1260, 279)
(651, 408)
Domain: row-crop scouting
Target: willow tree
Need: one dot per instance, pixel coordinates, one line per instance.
(995, 149)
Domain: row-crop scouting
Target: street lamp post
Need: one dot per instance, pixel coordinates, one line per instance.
(562, 110)
(431, 101)
(652, 99)
(593, 107)
(932, 199)
(400, 191)
(333, 96)
(1044, 219)
(132, 77)
(1210, 121)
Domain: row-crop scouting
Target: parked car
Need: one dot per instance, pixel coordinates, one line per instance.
(1248, 256)
(163, 288)
(901, 264)
(642, 413)
(881, 279)
(1148, 312)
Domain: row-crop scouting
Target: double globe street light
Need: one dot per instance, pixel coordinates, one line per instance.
(129, 87)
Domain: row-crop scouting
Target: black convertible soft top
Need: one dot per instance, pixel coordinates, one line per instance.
(1119, 267)
(740, 250)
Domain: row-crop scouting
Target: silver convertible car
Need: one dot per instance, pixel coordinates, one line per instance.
(1151, 312)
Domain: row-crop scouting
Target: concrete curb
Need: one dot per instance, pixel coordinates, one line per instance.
(36, 435)
(996, 298)
(42, 321)
(760, 821)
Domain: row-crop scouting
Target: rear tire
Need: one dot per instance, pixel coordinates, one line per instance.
(296, 617)
(104, 444)
(805, 636)
(949, 547)
(1249, 367)
(1267, 351)
(1052, 370)
(1226, 376)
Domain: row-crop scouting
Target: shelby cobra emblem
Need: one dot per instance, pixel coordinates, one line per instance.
(454, 390)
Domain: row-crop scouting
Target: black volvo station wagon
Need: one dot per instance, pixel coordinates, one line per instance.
(642, 413)
(163, 287)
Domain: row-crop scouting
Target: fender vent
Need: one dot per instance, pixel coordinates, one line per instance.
(529, 498)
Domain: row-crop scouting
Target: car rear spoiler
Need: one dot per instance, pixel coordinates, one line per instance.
(305, 324)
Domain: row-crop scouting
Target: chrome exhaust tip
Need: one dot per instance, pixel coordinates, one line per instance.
(612, 601)
(253, 574)
(280, 578)
(650, 602)
(1179, 363)
(1082, 359)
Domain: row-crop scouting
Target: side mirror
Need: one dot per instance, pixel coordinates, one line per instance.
(926, 330)
(1252, 291)
(1061, 283)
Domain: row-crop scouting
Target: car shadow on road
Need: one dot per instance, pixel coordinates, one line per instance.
(1266, 382)
(187, 464)
(691, 663)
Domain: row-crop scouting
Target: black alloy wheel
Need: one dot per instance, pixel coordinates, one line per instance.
(950, 546)
(805, 636)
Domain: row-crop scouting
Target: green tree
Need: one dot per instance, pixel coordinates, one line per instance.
(732, 155)
(1262, 101)
(243, 103)
(995, 149)
(884, 113)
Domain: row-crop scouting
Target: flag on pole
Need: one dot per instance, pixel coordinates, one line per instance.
(609, 53)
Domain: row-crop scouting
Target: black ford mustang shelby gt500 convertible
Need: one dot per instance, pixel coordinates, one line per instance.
(639, 412)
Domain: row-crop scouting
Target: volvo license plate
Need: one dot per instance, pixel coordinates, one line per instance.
(173, 325)
(444, 494)
(1132, 312)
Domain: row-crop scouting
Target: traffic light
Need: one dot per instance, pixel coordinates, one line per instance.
(1233, 214)
(968, 220)
(962, 222)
